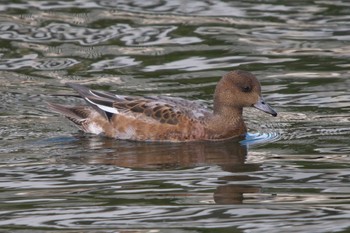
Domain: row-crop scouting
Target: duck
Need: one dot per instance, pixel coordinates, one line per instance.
(165, 118)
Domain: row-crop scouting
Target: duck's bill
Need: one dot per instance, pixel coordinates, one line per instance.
(261, 105)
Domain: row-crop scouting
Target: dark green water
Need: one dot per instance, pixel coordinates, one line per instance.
(291, 173)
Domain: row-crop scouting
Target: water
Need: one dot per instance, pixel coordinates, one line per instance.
(290, 173)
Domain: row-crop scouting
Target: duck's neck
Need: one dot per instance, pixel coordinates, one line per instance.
(228, 121)
(231, 115)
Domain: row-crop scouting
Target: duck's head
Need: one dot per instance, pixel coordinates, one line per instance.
(238, 89)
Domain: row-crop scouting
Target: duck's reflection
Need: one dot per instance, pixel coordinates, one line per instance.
(229, 155)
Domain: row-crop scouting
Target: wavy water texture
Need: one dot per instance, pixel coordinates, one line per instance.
(287, 174)
(88, 36)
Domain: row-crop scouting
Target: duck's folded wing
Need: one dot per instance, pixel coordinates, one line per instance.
(163, 109)
(193, 109)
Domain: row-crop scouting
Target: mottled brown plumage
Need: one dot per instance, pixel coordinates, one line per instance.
(160, 118)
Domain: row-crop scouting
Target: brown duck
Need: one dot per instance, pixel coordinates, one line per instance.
(160, 118)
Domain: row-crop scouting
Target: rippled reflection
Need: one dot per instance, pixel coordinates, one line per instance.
(229, 157)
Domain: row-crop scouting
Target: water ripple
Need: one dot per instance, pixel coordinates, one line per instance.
(115, 63)
(319, 217)
(33, 61)
(58, 32)
(260, 138)
(203, 63)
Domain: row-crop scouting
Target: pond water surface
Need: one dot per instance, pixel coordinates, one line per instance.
(290, 173)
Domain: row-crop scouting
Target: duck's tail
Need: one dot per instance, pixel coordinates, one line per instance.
(77, 114)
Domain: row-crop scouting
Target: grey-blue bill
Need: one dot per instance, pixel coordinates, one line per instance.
(263, 106)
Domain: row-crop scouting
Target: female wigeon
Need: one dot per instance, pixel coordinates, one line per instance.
(160, 118)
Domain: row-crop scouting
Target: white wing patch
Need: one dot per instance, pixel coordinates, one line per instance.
(103, 107)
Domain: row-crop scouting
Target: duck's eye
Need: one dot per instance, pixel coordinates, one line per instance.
(246, 88)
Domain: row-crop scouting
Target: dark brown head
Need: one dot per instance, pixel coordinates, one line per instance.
(238, 89)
